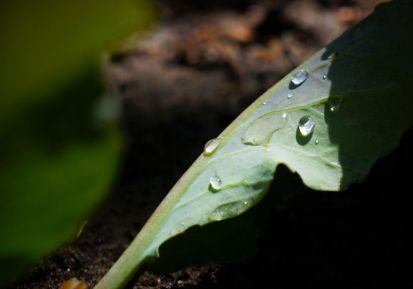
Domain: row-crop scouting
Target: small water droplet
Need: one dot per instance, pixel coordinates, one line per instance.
(264, 103)
(245, 203)
(215, 182)
(334, 104)
(284, 115)
(306, 126)
(290, 95)
(325, 76)
(211, 146)
(317, 141)
(299, 77)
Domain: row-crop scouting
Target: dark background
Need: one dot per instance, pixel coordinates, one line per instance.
(202, 64)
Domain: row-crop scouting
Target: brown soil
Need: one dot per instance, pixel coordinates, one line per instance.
(180, 86)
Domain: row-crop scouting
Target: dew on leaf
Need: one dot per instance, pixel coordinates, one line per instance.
(284, 115)
(211, 146)
(306, 126)
(289, 95)
(299, 77)
(215, 182)
(317, 141)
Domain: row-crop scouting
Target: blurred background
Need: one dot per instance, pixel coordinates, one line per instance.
(104, 104)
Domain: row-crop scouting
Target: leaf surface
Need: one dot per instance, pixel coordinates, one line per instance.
(329, 120)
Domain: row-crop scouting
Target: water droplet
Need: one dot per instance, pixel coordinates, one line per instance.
(284, 115)
(290, 95)
(299, 77)
(317, 141)
(325, 76)
(211, 146)
(306, 126)
(215, 182)
(334, 104)
(264, 103)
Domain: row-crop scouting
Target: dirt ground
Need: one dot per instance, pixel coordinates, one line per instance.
(181, 85)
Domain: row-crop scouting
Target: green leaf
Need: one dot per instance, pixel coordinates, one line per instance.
(59, 146)
(354, 101)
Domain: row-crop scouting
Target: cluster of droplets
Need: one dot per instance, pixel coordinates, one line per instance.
(306, 124)
(210, 147)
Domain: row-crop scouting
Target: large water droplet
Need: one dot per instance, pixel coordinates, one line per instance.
(290, 95)
(284, 115)
(306, 126)
(211, 146)
(215, 182)
(325, 76)
(317, 141)
(299, 77)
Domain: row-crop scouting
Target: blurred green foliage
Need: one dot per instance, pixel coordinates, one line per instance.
(58, 147)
